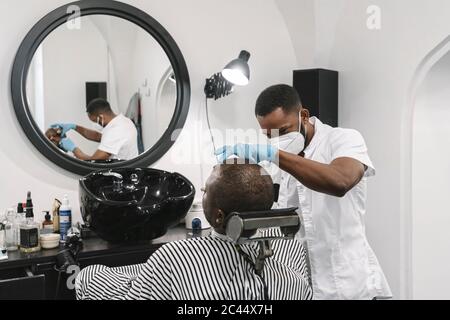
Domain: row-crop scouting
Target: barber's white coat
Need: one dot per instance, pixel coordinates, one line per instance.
(343, 265)
(119, 138)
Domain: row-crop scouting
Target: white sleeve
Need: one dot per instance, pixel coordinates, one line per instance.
(112, 141)
(348, 143)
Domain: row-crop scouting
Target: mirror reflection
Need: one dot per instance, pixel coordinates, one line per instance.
(118, 91)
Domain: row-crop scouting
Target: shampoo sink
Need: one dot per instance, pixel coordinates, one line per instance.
(131, 205)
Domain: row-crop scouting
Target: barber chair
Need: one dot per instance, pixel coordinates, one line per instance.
(247, 227)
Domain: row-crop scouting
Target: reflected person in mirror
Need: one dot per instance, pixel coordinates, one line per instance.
(116, 134)
(54, 135)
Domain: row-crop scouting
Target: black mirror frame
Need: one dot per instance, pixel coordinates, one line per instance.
(60, 16)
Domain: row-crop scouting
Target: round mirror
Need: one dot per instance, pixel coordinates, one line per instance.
(100, 84)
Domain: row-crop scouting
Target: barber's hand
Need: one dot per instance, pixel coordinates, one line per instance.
(65, 127)
(67, 145)
(253, 152)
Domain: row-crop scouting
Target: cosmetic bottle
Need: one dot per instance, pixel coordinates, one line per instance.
(20, 218)
(29, 233)
(65, 218)
(55, 214)
(11, 231)
(29, 203)
(47, 224)
(3, 251)
(20, 212)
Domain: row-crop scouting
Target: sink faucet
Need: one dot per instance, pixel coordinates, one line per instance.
(117, 183)
(134, 178)
(112, 174)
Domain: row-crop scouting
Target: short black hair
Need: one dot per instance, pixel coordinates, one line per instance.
(97, 106)
(242, 188)
(274, 97)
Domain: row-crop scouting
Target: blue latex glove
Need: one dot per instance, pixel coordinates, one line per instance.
(253, 152)
(65, 127)
(67, 145)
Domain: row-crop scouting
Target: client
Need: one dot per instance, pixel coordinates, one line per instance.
(210, 268)
(53, 135)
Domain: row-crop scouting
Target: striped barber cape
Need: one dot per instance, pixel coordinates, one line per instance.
(204, 268)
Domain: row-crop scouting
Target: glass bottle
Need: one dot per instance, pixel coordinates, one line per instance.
(47, 224)
(11, 231)
(3, 251)
(29, 233)
(20, 213)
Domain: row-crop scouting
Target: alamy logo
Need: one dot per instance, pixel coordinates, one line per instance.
(74, 19)
(374, 18)
(73, 270)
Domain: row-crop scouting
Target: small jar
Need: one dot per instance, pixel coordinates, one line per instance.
(49, 240)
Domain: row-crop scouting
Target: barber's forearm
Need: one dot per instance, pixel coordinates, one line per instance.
(89, 134)
(314, 175)
(81, 155)
(98, 155)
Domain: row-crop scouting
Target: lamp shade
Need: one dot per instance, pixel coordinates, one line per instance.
(238, 70)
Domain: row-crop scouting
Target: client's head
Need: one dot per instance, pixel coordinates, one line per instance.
(236, 188)
(53, 135)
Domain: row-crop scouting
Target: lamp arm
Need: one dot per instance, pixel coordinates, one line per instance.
(217, 87)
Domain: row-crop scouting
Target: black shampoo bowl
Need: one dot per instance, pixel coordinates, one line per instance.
(131, 205)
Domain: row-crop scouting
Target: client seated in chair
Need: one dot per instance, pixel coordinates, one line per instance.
(212, 267)
(53, 135)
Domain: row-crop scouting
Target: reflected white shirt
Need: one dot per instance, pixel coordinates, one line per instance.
(119, 138)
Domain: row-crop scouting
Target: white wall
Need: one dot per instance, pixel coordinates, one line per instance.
(431, 185)
(300, 19)
(120, 36)
(164, 104)
(150, 62)
(70, 59)
(376, 70)
(208, 39)
(138, 64)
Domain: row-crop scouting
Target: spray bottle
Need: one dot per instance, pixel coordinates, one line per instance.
(65, 218)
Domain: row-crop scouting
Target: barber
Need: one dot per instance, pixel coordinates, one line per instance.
(325, 173)
(116, 134)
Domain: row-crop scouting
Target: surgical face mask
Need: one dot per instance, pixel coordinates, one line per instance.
(293, 142)
(97, 126)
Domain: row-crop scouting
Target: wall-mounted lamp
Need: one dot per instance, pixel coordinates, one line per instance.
(237, 72)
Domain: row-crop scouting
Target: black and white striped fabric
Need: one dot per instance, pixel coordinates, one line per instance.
(207, 268)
